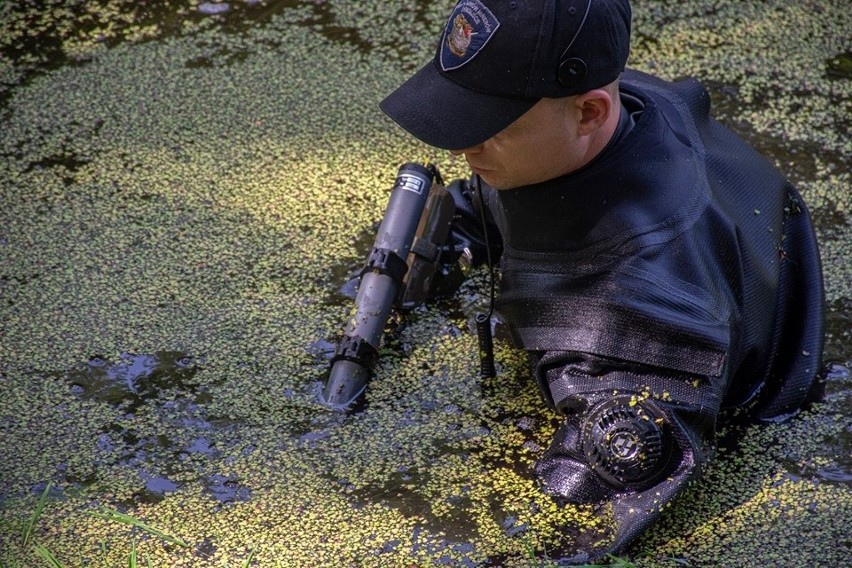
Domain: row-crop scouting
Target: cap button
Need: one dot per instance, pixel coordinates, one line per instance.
(572, 71)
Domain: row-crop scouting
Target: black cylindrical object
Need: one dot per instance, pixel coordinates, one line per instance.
(486, 346)
(381, 280)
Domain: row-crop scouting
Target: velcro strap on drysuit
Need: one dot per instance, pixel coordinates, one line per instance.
(692, 390)
(386, 262)
(426, 249)
(356, 349)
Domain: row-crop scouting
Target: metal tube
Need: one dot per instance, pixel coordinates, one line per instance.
(379, 286)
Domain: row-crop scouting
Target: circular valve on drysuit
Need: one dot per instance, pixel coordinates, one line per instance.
(627, 442)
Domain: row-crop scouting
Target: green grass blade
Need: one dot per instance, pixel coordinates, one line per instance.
(131, 562)
(47, 556)
(133, 521)
(28, 530)
(248, 560)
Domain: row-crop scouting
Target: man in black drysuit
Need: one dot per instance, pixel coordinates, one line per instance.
(654, 265)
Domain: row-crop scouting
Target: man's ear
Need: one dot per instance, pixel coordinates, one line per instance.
(595, 107)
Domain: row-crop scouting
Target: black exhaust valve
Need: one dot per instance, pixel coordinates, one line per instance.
(627, 442)
(619, 446)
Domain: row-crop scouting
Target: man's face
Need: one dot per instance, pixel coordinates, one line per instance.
(542, 144)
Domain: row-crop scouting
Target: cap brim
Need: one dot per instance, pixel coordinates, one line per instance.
(446, 115)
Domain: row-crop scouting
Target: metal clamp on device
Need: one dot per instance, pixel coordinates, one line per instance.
(357, 350)
(385, 261)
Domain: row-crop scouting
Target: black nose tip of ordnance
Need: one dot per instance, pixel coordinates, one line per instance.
(345, 385)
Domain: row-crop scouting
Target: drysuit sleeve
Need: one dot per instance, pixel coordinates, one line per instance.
(632, 436)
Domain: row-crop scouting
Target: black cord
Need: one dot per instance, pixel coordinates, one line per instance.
(478, 183)
(483, 321)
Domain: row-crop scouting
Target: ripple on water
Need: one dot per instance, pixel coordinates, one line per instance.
(134, 378)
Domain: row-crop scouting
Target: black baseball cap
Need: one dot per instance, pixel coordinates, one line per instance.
(497, 58)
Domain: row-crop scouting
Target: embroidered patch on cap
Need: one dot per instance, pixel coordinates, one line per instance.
(469, 28)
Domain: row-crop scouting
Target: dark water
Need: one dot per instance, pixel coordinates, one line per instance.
(166, 383)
